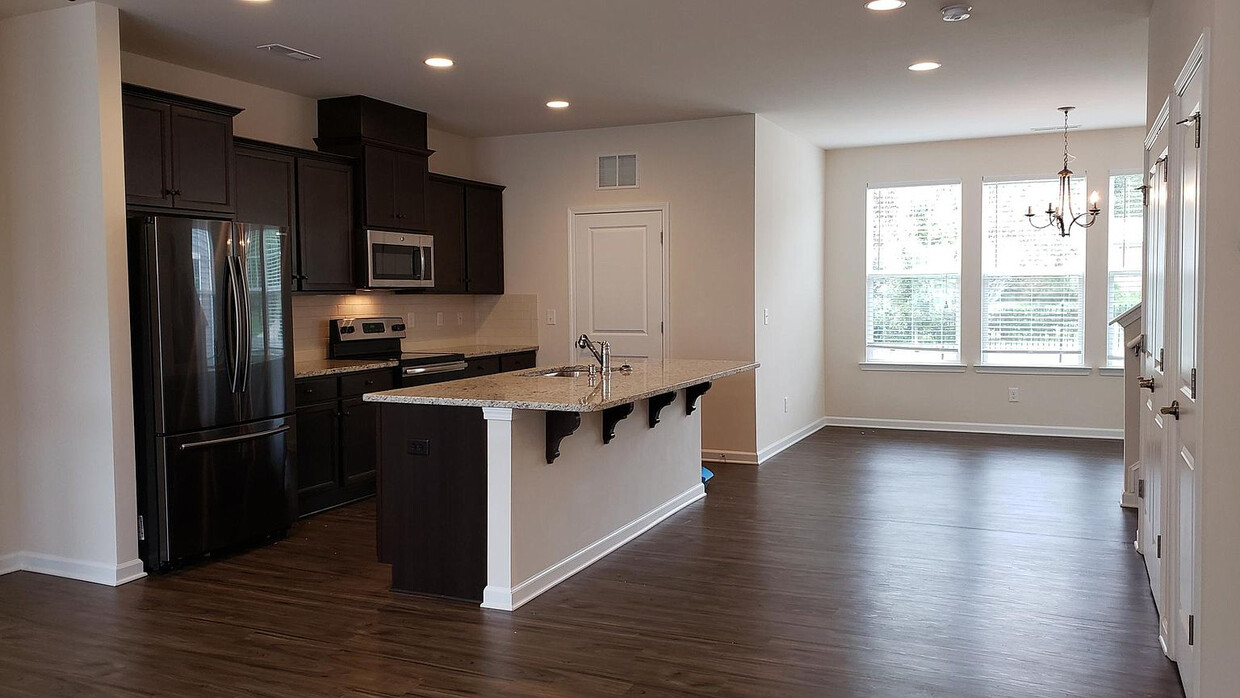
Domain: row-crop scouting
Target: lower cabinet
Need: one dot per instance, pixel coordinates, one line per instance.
(338, 437)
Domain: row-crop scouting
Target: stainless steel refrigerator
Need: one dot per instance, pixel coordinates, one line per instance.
(213, 377)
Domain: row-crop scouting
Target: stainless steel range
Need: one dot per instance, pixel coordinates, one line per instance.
(379, 337)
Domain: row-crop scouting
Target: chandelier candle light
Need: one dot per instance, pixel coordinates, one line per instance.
(1055, 214)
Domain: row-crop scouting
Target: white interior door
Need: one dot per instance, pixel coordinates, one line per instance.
(1186, 432)
(1153, 429)
(618, 282)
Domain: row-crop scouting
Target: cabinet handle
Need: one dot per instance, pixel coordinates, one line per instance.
(309, 390)
(370, 382)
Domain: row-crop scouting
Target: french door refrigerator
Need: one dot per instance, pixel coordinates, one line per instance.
(213, 377)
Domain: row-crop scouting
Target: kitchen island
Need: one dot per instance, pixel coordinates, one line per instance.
(495, 489)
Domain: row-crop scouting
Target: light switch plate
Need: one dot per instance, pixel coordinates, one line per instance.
(439, 319)
(550, 316)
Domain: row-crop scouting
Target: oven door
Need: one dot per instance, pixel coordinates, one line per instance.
(399, 260)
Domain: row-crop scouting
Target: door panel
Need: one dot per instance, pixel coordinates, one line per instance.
(410, 190)
(325, 212)
(202, 160)
(195, 323)
(318, 463)
(445, 219)
(359, 440)
(225, 486)
(266, 385)
(618, 282)
(380, 171)
(484, 239)
(148, 144)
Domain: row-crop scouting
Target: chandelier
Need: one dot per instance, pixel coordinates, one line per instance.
(1063, 217)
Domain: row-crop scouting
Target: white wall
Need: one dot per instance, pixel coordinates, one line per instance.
(704, 170)
(789, 260)
(1049, 403)
(273, 115)
(72, 413)
(1174, 28)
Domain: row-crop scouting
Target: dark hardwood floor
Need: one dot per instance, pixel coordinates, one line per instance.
(857, 563)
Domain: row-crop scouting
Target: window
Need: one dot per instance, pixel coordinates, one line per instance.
(1125, 231)
(1033, 281)
(913, 274)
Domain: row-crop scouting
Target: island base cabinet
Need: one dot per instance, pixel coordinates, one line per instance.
(432, 499)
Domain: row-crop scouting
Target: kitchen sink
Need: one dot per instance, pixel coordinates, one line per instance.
(561, 372)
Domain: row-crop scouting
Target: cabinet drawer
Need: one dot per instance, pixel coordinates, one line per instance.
(369, 382)
(516, 362)
(483, 366)
(311, 390)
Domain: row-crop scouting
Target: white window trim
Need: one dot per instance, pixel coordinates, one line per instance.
(1111, 371)
(1106, 369)
(1034, 370)
(929, 366)
(913, 367)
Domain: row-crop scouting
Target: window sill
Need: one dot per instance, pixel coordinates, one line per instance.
(1111, 371)
(1035, 370)
(918, 368)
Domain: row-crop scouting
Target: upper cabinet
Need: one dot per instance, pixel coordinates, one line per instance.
(466, 219)
(390, 142)
(178, 151)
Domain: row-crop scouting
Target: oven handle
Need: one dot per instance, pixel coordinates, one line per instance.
(413, 371)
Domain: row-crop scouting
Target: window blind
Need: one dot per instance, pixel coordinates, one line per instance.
(913, 273)
(1126, 232)
(1033, 281)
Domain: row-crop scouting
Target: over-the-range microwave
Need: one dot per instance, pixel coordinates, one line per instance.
(399, 260)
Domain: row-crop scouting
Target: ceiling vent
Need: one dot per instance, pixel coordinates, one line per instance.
(288, 52)
(617, 171)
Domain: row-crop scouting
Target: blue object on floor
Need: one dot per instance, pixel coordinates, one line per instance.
(706, 476)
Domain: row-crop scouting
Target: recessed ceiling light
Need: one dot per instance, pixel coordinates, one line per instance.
(439, 62)
(557, 104)
(924, 66)
(884, 5)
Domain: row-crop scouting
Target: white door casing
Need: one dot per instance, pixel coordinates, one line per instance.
(619, 281)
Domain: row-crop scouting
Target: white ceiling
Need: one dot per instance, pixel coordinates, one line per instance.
(827, 69)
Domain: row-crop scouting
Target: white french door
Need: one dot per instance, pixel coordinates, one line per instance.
(1184, 465)
(618, 281)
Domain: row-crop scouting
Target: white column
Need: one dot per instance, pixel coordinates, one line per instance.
(498, 591)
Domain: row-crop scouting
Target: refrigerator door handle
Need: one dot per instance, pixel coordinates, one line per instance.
(235, 290)
(246, 340)
(234, 439)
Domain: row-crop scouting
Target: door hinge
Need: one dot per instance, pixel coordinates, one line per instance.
(1145, 194)
(1192, 384)
(660, 237)
(660, 327)
(1141, 488)
(1159, 363)
(1158, 547)
(1192, 631)
(141, 528)
(1195, 120)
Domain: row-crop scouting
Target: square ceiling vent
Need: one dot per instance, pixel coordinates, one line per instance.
(617, 171)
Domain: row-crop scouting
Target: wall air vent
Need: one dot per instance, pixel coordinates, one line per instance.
(288, 52)
(617, 171)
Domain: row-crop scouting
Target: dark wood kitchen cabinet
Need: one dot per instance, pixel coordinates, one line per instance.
(309, 193)
(326, 233)
(338, 437)
(394, 188)
(178, 151)
(466, 218)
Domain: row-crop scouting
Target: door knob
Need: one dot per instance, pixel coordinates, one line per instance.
(1146, 383)
(1173, 409)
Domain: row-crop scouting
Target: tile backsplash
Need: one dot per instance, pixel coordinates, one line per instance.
(507, 319)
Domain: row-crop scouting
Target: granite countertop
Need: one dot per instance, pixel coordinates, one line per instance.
(521, 390)
(314, 368)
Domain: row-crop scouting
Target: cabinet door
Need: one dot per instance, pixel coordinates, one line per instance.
(410, 192)
(484, 239)
(380, 183)
(445, 219)
(359, 440)
(325, 215)
(202, 160)
(318, 450)
(148, 148)
(266, 193)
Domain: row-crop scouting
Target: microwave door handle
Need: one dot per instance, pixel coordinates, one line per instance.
(428, 268)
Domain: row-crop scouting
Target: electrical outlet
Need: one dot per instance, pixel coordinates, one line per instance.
(409, 325)
(785, 405)
(460, 319)
(418, 447)
(550, 316)
(439, 319)
(1013, 394)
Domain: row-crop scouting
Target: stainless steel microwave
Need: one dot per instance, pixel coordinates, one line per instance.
(399, 260)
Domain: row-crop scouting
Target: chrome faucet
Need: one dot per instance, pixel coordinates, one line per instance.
(602, 353)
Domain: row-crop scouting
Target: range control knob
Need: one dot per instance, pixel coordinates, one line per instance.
(348, 329)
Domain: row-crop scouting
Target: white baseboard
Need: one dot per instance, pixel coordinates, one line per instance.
(719, 456)
(505, 599)
(1129, 500)
(976, 427)
(783, 444)
(81, 570)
